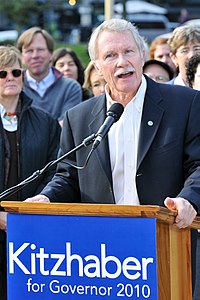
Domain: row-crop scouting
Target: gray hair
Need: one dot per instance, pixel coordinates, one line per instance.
(9, 55)
(113, 25)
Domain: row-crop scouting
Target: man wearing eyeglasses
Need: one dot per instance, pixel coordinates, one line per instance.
(44, 84)
(157, 70)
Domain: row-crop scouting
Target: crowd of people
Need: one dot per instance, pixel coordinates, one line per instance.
(50, 101)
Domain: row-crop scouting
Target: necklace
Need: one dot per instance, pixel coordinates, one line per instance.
(9, 116)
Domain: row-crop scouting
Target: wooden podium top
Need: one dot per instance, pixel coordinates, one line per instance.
(148, 211)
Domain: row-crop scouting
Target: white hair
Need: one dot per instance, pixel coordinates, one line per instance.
(113, 25)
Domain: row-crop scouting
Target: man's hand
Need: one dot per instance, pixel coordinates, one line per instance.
(38, 198)
(185, 211)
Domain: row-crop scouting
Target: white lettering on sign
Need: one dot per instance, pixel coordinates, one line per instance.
(90, 266)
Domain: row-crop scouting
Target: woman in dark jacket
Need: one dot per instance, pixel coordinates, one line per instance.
(29, 139)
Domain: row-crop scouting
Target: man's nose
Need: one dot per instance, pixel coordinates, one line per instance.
(35, 53)
(122, 60)
(165, 59)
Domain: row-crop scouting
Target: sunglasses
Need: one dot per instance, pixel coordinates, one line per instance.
(15, 72)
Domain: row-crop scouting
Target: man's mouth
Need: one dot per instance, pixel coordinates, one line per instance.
(36, 64)
(125, 75)
(124, 72)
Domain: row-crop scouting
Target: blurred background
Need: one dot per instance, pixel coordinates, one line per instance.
(71, 22)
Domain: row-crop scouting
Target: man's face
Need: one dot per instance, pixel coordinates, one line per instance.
(120, 62)
(36, 57)
(162, 53)
(183, 54)
(157, 73)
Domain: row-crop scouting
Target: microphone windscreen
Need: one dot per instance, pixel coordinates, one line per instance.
(115, 111)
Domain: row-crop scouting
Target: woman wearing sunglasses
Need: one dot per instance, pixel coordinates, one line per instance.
(29, 139)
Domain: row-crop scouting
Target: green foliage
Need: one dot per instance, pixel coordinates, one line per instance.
(17, 11)
(79, 49)
(8, 43)
(21, 11)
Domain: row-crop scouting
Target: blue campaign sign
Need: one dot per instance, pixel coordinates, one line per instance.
(79, 257)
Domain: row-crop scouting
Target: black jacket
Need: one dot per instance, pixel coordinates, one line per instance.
(38, 142)
(38, 137)
(168, 162)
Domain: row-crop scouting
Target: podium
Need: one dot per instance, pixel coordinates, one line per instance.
(109, 274)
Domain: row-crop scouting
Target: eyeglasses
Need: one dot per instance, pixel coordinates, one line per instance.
(158, 78)
(186, 50)
(15, 72)
(161, 78)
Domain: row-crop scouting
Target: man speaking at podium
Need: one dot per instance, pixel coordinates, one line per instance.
(151, 155)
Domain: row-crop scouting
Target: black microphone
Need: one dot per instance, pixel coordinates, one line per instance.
(113, 115)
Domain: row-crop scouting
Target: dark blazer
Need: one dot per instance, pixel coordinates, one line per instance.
(168, 153)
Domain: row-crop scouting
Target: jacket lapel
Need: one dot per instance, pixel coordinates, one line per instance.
(151, 118)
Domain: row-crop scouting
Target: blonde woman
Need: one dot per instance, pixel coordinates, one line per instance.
(94, 83)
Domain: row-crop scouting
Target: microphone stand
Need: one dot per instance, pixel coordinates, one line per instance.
(85, 143)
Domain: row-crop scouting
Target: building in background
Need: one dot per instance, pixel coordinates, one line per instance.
(74, 23)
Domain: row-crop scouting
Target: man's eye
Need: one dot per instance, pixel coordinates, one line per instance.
(184, 51)
(109, 55)
(129, 51)
(197, 49)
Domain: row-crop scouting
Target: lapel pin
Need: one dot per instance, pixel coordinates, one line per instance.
(150, 123)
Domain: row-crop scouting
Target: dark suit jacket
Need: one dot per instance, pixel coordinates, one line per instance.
(168, 153)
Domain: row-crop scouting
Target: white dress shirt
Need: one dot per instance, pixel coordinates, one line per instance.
(42, 85)
(123, 140)
(179, 81)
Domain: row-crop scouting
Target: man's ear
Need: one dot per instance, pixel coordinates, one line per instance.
(97, 67)
(174, 59)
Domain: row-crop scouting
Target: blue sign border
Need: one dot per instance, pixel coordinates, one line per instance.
(100, 257)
